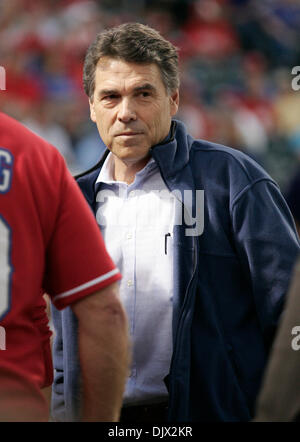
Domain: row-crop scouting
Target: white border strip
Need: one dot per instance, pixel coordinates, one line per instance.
(86, 285)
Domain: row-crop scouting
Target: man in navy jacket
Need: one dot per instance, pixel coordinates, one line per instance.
(230, 272)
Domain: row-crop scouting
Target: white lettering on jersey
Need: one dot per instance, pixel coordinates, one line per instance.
(5, 267)
(6, 162)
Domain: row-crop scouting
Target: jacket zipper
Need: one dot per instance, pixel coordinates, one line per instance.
(185, 306)
(178, 338)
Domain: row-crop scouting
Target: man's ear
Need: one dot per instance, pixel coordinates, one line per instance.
(92, 111)
(174, 102)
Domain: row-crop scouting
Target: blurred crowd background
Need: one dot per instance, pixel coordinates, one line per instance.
(236, 58)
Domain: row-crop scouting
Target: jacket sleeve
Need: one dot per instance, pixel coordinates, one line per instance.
(267, 244)
(66, 391)
(58, 399)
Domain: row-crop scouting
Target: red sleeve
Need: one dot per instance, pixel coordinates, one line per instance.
(77, 261)
(40, 317)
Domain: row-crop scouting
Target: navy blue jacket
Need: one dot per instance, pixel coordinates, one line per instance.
(229, 283)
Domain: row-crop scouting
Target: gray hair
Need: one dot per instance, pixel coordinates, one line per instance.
(133, 43)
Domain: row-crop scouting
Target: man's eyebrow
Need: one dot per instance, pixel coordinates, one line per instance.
(103, 92)
(145, 87)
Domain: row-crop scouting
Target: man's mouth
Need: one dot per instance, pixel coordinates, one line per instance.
(128, 134)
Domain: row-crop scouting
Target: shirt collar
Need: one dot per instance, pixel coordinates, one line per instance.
(106, 174)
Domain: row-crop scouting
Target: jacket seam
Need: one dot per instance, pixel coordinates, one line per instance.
(242, 192)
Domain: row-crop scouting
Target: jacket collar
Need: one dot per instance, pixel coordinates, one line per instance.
(172, 155)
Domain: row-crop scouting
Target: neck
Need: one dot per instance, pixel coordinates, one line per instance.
(126, 171)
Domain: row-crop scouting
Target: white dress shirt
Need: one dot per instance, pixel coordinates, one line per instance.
(137, 225)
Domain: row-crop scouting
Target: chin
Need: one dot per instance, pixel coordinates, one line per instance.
(131, 152)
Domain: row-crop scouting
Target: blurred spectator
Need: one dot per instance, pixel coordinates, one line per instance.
(42, 123)
(241, 127)
(89, 149)
(193, 111)
(270, 27)
(208, 31)
(287, 110)
(257, 96)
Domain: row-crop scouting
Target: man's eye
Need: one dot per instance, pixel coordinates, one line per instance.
(110, 97)
(143, 94)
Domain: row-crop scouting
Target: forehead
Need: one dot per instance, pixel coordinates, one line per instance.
(112, 71)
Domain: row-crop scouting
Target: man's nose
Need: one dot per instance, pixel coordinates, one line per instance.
(126, 111)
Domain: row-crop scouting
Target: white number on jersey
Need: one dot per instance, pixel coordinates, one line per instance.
(5, 267)
(6, 162)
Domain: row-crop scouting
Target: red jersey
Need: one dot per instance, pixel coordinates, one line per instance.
(49, 242)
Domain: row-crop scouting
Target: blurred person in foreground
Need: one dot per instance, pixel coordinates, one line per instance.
(50, 242)
(203, 297)
(279, 398)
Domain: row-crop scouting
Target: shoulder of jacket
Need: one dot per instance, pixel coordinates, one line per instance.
(227, 157)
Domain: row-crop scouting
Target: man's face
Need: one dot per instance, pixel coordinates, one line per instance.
(131, 107)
